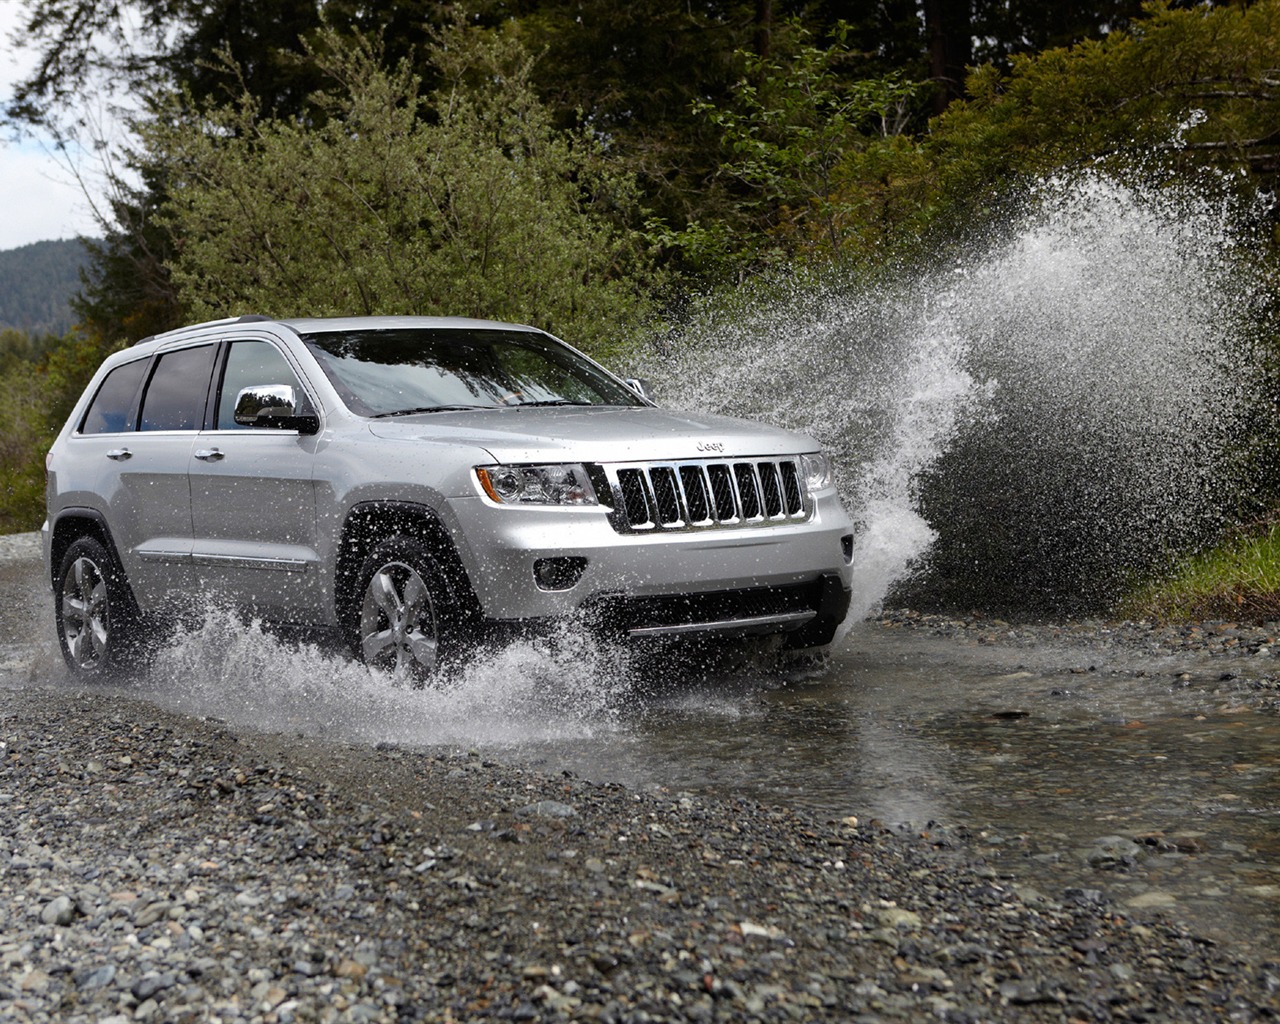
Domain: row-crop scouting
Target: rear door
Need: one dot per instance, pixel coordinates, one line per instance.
(152, 507)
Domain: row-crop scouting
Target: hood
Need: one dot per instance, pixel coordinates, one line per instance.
(596, 434)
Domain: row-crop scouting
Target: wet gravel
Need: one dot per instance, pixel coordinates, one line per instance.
(1227, 639)
(155, 867)
(161, 867)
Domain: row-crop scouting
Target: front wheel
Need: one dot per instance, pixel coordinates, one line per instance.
(403, 611)
(97, 626)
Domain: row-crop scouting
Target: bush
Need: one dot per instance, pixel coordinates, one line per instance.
(467, 202)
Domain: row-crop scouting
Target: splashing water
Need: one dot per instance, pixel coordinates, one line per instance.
(874, 380)
(1044, 419)
(1032, 424)
(554, 688)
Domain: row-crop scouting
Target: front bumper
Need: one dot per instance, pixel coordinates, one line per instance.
(676, 578)
(808, 613)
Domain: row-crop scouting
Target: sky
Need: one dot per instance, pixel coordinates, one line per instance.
(39, 197)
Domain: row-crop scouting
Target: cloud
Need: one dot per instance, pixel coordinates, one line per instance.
(39, 198)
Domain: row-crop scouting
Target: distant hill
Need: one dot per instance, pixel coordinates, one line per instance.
(36, 285)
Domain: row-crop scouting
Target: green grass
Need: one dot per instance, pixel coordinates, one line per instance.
(1238, 580)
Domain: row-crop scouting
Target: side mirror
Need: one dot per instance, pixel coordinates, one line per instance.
(275, 407)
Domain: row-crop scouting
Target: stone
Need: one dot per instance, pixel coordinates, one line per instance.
(92, 978)
(58, 911)
(547, 809)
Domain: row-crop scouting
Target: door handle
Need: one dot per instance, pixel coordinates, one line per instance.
(119, 454)
(209, 455)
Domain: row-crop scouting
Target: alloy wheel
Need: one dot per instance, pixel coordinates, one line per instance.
(398, 628)
(86, 619)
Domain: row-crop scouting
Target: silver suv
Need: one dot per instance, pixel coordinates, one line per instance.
(415, 481)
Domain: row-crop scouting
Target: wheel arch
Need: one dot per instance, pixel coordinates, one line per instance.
(370, 523)
(70, 525)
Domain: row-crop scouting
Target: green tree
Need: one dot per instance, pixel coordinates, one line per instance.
(24, 438)
(40, 381)
(482, 208)
(822, 162)
(1191, 87)
(122, 51)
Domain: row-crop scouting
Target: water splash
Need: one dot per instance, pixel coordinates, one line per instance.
(1037, 421)
(559, 687)
(1044, 419)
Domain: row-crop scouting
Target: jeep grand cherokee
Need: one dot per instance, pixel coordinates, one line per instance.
(412, 481)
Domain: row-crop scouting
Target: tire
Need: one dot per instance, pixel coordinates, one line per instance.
(821, 631)
(96, 616)
(404, 616)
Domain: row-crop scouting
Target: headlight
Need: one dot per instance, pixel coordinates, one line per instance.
(819, 473)
(537, 485)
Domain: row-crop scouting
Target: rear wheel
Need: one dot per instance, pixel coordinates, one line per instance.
(95, 614)
(404, 611)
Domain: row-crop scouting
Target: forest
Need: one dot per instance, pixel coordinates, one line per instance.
(600, 170)
(36, 281)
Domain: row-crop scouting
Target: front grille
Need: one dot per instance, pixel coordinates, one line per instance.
(706, 494)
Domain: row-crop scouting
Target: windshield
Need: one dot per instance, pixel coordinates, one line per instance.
(410, 370)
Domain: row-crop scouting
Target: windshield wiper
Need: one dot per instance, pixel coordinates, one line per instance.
(553, 401)
(425, 408)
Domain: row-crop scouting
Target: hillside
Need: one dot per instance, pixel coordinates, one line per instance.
(36, 285)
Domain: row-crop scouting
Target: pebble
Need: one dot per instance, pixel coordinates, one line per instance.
(363, 895)
(1226, 639)
(59, 910)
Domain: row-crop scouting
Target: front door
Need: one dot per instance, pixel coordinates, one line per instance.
(252, 497)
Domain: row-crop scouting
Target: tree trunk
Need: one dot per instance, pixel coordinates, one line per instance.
(763, 36)
(949, 26)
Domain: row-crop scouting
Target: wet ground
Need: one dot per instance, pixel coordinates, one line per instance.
(1067, 759)
(1154, 780)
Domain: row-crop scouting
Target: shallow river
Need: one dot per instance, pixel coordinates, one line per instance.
(1039, 753)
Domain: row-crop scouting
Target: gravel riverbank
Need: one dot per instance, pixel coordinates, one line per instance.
(1229, 639)
(161, 868)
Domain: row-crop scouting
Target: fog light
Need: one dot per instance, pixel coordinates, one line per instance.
(559, 573)
(846, 545)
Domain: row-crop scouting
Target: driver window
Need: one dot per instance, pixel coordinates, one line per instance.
(251, 363)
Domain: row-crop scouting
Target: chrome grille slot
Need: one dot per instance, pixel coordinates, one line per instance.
(726, 504)
(699, 495)
(694, 482)
(634, 500)
(791, 492)
(748, 491)
(666, 495)
(771, 485)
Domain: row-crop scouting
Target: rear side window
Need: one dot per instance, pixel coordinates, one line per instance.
(111, 410)
(179, 385)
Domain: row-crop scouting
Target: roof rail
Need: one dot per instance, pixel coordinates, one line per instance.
(247, 318)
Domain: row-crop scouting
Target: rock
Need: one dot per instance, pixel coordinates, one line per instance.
(58, 911)
(92, 978)
(149, 984)
(751, 930)
(1027, 993)
(1112, 852)
(151, 913)
(547, 809)
(899, 919)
